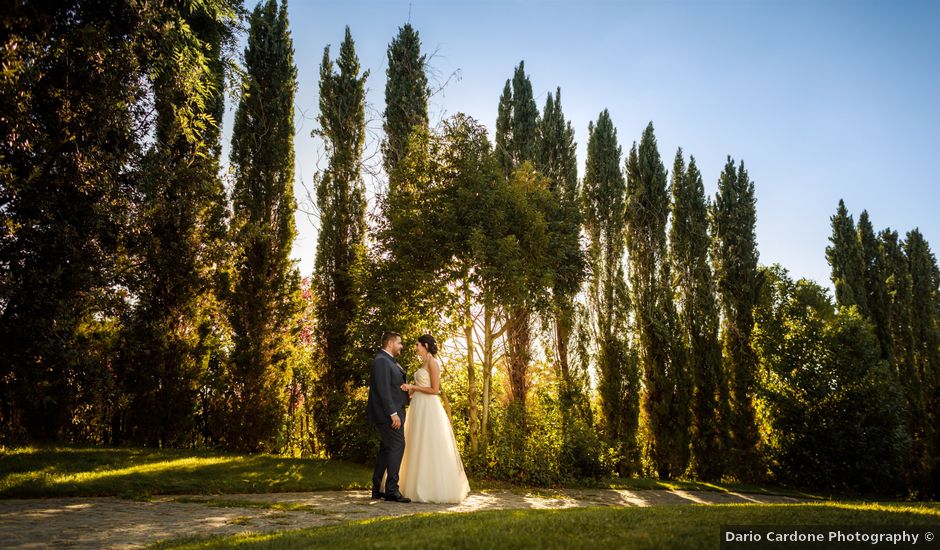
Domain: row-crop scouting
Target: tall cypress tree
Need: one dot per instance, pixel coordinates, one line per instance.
(517, 142)
(738, 282)
(557, 161)
(169, 338)
(340, 242)
(845, 258)
(665, 399)
(602, 200)
(694, 288)
(925, 329)
(406, 96)
(876, 291)
(264, 300)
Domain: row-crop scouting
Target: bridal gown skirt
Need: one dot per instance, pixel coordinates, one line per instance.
(431, 470)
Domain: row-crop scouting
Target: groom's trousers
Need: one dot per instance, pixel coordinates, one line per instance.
(391, 451)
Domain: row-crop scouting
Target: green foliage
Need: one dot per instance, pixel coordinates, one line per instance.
(876, 291)
(847, 262)
(666, 377)
(834, 408)
(263, 300)
(608, 302)
(406, 96)
(694, 288)
(340, 258)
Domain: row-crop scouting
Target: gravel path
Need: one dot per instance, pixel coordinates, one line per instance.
(116, 523)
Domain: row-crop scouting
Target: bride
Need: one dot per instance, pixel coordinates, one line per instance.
(431, 470)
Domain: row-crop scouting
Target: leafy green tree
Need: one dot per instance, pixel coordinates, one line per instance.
(340, 253)
(608, 302)
(734, 253)
(69, 90)
(406, 96)
(834, 407)
(172, 333)
(876, 290)
(694, 288)
(848, 265)
(263, 302)
(665, 401)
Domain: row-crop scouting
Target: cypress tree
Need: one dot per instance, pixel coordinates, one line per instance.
(925, 329)
(738, 282)
(602, 200)
(264, 301)
(665, 402)
(557, 161)
(340, 242)
(694, 288)
(845, 258)
(406, 96)
(876, 291)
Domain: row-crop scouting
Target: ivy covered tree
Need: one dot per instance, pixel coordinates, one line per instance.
(340, 242)
(734, 253)
(694, 288)
(602, 203)
(665, 401)
(263, 302)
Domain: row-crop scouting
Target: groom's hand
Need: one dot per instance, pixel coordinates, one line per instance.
(396, 422)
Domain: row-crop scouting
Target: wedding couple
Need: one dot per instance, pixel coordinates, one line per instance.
(430, 465)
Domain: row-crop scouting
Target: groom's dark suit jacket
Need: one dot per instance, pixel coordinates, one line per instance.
(385, 395)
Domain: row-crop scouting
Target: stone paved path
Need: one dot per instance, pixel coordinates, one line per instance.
(117, 523)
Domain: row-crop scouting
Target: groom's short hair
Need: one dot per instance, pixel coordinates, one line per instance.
(388, 335)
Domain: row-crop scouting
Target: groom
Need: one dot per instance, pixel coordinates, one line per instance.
(386, 409)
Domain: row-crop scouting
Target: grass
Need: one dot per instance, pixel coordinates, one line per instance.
(595, 528)
(138, 473)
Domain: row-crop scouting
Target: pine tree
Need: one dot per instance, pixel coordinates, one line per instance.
(694, 287)
(170, 337)
(264, 302)
(406, 96)
(665, 400)
(602, 201)
(738, 282)
(340, 242)
(876, 291)
(845, 258)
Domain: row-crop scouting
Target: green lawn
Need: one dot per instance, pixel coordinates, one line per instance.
(595, 528)
(138, 473)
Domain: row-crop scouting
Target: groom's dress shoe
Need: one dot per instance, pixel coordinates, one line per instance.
(397, 498)
(377, 495)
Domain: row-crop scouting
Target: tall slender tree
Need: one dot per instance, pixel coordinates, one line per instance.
(925, 329)
(264, 302)
(665, 400)
(406, 96)
(876, 291)
(341, 240)
(694, 288)
(170, 336)
(602, 202)
(558, 162)
(738, 282)
(845, 258)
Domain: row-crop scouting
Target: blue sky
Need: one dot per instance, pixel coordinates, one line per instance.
(821, 99)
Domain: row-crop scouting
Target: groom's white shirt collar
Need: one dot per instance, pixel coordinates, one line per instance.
(387, 353)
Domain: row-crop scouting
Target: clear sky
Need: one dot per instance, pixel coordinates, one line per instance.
(821, 99)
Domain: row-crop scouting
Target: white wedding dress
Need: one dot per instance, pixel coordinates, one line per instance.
(431, 470)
